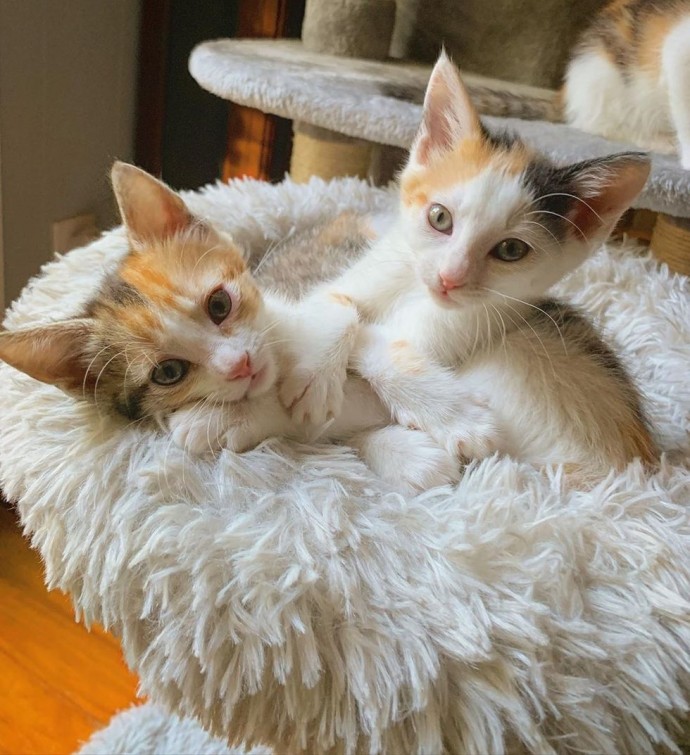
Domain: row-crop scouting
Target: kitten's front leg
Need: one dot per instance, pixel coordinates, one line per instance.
(254, 421)
(205, 428)
(323, 335)
(424, 395)
(199, 428)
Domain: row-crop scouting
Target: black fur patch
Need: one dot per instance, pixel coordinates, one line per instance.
(121, 292)
(130, 404)
(577, 328)
(619, 29)
(503, 140)
(552, 188)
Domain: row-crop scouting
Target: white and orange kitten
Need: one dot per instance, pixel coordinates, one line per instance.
(180, 332)
(629, 77)
(485, 227)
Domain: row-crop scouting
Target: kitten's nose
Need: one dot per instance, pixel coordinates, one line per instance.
(241, 369)
(448, 283)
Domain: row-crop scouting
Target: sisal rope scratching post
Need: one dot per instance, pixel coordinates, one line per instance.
(671, 242)
(352, 28)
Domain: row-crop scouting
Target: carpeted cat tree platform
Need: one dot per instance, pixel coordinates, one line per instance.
(287, 598)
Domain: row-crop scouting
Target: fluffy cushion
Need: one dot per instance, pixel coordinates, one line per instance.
(287, 597)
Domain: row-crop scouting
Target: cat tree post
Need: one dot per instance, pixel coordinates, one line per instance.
(671, 242)
(351, 28)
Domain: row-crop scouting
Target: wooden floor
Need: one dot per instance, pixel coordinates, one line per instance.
(58, 682)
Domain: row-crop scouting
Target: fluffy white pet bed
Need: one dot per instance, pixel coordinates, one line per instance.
(150, 730)
(286, 597)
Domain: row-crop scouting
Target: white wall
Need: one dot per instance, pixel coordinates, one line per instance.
(67, 101)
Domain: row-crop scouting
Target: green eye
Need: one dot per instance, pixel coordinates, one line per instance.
(219, 305)
(440, 218)
(510, 250)
(169, 372)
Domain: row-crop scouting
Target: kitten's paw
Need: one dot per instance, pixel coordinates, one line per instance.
(240, 438)
(426, 465)
(410, 460)
(197, 432)
(312, 398)
(475, 434)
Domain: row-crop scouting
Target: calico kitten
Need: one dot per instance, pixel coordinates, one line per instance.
(181, 332)
(629, 77)
(485, 228)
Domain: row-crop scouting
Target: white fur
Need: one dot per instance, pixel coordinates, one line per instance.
(676, 67)
(148, 730)
(288, 596)
(643, 107)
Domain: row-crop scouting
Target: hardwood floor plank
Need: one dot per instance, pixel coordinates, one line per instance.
(60, 682)
(35, 717)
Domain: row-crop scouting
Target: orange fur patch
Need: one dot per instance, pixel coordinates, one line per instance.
(406, 358)
(471, 157)
(346, 301)
(652, 38)
(250, 300)
(142, 271)
(639, 443)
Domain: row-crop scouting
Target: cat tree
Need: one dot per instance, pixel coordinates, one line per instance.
(354, 114)
(286, 596)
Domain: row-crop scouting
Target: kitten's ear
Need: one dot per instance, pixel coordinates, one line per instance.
(54, 353)
(448, 115)
(150, 210)
(607, 186)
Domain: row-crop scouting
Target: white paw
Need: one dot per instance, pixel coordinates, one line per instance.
(313, 398)
(475, 434)
(410, 460)
(685, 159)
(196, 431)
(427, 466)
(240, 438)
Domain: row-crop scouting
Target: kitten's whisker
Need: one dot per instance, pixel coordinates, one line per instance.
(570, 196)
(536, 335)
(548, 230)
(208, 251)
(95, 387)
(89, 366)
(502, 327)
(270, 251)
(563, 217)
(533, 306)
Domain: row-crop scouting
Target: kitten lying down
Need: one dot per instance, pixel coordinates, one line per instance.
(181, 331)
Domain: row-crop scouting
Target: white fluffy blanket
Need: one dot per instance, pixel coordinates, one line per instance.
(287, 597)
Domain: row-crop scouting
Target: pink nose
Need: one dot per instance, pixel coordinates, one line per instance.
(448, 283)
(242, 368)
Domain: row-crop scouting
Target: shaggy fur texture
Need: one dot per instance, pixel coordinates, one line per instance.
(149, 730)
(287, 597)
(378, 102)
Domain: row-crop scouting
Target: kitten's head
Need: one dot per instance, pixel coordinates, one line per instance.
(487, 218)
(180, 320)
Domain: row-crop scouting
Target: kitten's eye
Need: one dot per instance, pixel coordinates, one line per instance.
(440, 218)
(169, 372)
(510, 250)
(219, 305)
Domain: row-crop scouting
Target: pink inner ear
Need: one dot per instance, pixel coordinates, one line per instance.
(449, 114)
(588, 218)
(608, 201)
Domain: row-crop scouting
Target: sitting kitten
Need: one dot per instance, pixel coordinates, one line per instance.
(181, 331)
(629, 77)
(485, 228)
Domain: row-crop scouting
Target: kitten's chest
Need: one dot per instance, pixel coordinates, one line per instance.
(446, 336)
